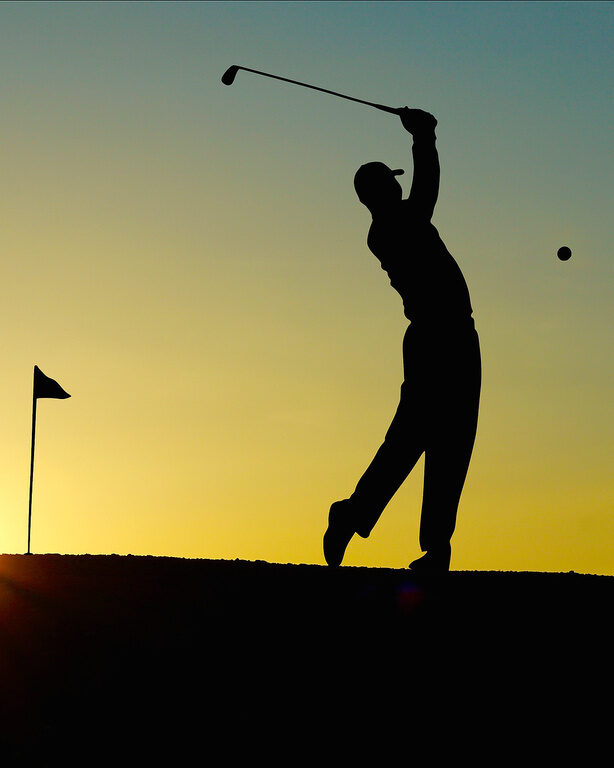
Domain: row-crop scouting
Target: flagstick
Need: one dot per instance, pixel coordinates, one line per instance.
(31, 470)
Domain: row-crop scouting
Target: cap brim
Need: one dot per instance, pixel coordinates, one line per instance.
(398, 172)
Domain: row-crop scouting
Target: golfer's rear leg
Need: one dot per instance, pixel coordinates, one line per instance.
(342, 525)
(396, 457)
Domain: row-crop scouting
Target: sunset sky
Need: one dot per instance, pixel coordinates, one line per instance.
(189, 261)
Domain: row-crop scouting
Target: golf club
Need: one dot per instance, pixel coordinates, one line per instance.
(228, 78)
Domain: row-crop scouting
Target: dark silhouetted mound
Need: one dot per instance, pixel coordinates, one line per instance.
(152, 657)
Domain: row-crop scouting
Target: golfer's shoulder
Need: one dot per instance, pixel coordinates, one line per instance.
(381, 236)
(372, 235)
(414, 213)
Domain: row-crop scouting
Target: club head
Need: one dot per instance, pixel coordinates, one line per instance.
(228, 77)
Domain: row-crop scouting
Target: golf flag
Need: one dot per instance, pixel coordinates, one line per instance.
(46, 387)
(43, 387)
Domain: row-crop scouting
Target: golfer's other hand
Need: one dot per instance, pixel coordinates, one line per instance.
(417, 121)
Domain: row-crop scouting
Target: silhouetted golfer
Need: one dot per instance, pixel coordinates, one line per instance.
(438, 409)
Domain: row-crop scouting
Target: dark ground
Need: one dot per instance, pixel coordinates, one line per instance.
(127, 660)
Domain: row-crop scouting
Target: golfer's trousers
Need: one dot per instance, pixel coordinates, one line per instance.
(437, 415)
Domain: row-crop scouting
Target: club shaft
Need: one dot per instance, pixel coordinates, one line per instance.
(383, 107)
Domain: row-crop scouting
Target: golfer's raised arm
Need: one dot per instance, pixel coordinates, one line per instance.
(425, 183)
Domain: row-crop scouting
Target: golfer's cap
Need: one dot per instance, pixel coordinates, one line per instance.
(370, 172)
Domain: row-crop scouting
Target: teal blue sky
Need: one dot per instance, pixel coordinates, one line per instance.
(189, 261)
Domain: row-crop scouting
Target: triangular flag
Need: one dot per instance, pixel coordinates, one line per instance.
(46, 387)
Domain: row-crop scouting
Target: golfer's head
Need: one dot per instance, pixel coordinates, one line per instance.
(376, 185)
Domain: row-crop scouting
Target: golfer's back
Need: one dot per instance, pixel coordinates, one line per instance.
(420, 268)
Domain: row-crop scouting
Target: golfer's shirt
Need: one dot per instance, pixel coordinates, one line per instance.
(421, 269)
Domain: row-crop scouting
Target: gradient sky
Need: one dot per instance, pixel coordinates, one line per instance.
(189, 262)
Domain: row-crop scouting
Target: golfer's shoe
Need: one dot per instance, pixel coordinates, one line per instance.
(341, 528)
(433, 562)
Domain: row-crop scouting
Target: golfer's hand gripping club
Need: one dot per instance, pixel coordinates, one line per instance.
(417, 121)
